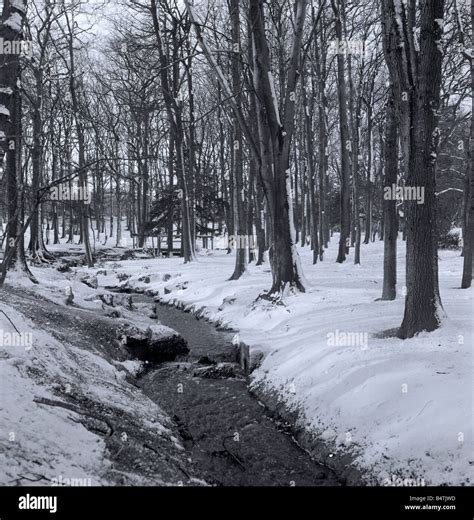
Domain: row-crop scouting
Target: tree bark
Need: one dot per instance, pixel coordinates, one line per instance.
(240, 224)
(389, 205)
(345, 142)
(416, 77)
(10, 137)
(469, 234)
(276, 136)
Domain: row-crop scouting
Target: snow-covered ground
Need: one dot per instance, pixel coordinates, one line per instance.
(42, 442)
(34, 436)
(404, 409)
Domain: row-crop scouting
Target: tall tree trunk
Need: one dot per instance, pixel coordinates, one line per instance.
(36, 153)
(469, 234)
(276, 139)
(237, 148)
(308, 121)
(345, 142)
(422, 304)
(390, 205)
(82, 180)
(170, 223)
(54, 170)
(191, 177)
(251, 206)
(370, 183)
(322, 151)
(10, 137)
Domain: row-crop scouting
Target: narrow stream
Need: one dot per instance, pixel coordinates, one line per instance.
(230, 437)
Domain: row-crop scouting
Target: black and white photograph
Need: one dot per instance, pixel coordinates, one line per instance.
(236, 251)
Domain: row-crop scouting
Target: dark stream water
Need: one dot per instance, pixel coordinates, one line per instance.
(231, 437)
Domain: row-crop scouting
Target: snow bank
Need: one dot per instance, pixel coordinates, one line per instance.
(401, 408)
(41, 443)
(37, 440)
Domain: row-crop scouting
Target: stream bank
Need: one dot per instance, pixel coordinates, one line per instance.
(219, 342)
(229, 434)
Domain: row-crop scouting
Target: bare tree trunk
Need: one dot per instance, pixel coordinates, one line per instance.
(192, 167)
(145, 183)
(345, 142)
(308, 121)
(323, 142)
(170, 223)
(251, 206)
(260, 224)
(35, 230)
(390, 205)
(276, 137)
(10, 138)
(469, 234)
(237, 148)
(355, 107)
(370, 183)
(82, 181)
(54, 170)
(416, 77)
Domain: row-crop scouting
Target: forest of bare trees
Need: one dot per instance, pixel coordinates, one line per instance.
(276, 124)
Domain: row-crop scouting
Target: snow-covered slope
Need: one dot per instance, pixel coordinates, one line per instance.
(47, 389)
